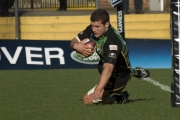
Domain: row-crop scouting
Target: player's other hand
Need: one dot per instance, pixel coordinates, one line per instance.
(87, 100)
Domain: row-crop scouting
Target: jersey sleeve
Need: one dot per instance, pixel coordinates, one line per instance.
(84, 34)
(112, 52)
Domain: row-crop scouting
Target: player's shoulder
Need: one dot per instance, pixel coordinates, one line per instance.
(86, 33)
(112, 37)
(113, 33)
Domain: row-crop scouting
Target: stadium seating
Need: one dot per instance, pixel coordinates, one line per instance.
(64, 27)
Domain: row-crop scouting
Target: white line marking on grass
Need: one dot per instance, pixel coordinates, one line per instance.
(163, 87)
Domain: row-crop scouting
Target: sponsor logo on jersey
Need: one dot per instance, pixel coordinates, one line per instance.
(113, 47)
(93, 59)
(113, 55)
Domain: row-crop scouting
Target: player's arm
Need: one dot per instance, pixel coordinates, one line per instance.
(111, 56)
(77, 43)
(74, 43)
(104, 78)
(99, 89)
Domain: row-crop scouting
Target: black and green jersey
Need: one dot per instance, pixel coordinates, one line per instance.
(112, 49)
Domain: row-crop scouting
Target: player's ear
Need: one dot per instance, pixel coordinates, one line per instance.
(107, 24)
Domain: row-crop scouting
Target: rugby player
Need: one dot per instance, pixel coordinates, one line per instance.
(114, 65)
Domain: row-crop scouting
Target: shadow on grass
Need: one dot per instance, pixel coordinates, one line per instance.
(137, 100)
(130, 100)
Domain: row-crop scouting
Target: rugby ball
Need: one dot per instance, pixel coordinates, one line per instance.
(88, 42)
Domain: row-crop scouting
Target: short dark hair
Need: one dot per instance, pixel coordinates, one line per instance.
(100, 15)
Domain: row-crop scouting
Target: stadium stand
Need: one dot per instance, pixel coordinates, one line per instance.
(55, 25)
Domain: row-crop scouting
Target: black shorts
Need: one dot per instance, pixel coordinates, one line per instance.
(116, 85)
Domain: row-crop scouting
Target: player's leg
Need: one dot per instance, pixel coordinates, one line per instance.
(112, 93)
(63, 4)
(117, 95)
(10, 3)
(3, 8)
(138, 6)
(126, 6)
(139, 72)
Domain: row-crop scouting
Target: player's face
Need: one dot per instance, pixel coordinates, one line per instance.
(98, 28)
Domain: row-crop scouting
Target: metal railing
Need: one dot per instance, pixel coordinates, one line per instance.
(37, 4)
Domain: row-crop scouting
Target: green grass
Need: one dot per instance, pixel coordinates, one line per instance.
(57, 94)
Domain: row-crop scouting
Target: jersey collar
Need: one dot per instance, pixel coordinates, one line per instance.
(105, 34)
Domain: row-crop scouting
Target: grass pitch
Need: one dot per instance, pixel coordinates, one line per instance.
(57, 94)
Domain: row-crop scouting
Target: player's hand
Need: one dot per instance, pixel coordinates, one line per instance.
(96, 97)
(87, 100)
(85, 50)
